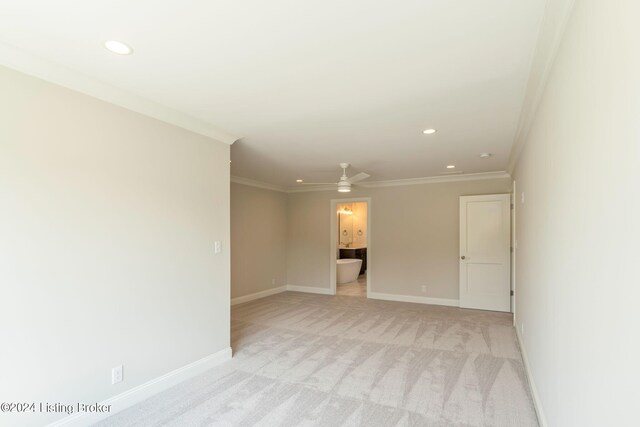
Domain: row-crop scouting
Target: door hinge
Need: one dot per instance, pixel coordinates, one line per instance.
(512, 206)
(511, 293)
(511, 248)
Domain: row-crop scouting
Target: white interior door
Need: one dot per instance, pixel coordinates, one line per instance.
(485, 250)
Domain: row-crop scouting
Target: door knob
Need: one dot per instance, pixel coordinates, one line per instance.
(462, 257)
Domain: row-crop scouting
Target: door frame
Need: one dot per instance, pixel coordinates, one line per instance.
(334, 240)
(514, 247)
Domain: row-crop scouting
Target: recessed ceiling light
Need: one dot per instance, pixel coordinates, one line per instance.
(298, 180)
(451, 166)
(118, 47)
(485, 155)
(429, 131)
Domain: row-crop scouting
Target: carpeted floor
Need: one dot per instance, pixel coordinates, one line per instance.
(316, 360)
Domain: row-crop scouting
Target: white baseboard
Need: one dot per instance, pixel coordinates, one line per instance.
(262, 294)
(144, 391)
(258, 295)
(410, 298)
(327, 291)
(309, 289)
(537, 404)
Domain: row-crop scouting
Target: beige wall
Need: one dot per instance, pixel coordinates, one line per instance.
(577, 286)
(259, 231)
(414, 233)
(107, 224)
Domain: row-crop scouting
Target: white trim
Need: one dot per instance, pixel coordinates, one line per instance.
(414, 299)
(257, 184)
(144, 391)
(537, 403)
(309, 289)
(333, 229)
(257, 295)
(514, 248)
(325, 291)
(34, 66)
(555, 19)
(409, 181)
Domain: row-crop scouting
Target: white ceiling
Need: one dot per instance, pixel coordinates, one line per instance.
(309, 84)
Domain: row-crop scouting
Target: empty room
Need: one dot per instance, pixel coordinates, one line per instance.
(319, 213)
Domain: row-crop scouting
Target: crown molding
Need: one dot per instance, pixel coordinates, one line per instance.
(312, 188)
(376, 184)
(26, 63)
(257, 184)
(437, 179)
(554, 21)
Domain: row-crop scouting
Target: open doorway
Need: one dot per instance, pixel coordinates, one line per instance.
(351, 248)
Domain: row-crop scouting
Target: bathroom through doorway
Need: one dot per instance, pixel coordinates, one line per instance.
(351, 249)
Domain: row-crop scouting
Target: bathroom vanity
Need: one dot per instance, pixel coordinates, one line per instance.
(355, 252)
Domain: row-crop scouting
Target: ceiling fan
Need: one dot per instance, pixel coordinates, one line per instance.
(344, 185)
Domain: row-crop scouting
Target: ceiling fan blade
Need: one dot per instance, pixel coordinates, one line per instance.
(358, 177)
(317, 183)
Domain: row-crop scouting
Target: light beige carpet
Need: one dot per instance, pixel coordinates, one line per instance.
(315, 360)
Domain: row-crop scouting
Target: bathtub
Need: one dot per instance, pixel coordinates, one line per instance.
(347, 270)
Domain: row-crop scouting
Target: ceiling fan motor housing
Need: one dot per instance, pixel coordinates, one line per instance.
(344, 186)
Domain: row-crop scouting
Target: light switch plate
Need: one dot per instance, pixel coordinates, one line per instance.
(217, 246)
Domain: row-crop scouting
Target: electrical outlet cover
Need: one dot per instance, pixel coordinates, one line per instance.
(116, 375)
